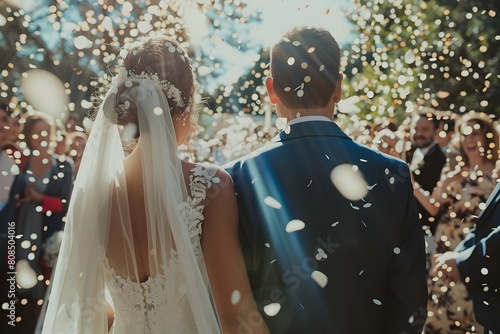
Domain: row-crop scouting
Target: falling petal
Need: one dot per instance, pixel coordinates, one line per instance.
(320, 278)
(82, 42)
(409, 57)
(26, 277)
(45, 92)
(281, 123)
(235, 297)
(272, 309)
(349, 182)
(377, 302)
(335, 224)
(295, 225)
(270, 201)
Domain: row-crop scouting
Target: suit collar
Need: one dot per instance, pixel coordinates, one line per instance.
(311, 129)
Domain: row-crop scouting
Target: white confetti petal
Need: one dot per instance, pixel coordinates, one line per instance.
(377, 302)
(281, 123)
(295, 225)
(272, 309)
(26, 277)
(235, 297)
(270, 201)
(349, 182)
(320, 278)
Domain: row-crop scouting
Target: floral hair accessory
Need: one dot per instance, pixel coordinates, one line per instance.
(173, 92)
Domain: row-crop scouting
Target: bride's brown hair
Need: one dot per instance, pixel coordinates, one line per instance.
(164, 57)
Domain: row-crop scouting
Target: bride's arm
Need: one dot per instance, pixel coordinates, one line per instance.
(224, 261)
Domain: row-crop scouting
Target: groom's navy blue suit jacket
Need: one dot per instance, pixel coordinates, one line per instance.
(479, 264)
(350, 266)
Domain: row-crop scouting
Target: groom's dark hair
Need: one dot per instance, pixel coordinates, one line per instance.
(305, 66)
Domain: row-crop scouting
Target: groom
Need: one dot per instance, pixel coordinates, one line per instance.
(329, 228)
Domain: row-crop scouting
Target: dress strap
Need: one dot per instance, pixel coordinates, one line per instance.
(200, 181)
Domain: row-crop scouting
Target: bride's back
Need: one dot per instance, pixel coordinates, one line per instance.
(138, 234)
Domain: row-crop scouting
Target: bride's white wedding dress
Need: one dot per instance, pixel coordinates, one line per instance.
(98, 253)
(160, 303)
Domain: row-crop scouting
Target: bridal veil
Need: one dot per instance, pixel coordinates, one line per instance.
(78, 302)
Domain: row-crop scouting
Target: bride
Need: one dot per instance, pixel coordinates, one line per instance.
(147, 233)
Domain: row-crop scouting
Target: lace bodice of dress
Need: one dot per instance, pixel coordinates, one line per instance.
(160, 304)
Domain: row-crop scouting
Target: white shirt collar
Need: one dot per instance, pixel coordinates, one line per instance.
(303, 119)
(425, 150)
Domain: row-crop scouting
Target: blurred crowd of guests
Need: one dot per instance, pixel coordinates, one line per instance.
(453, 160)
(454, 164)
(39, 159)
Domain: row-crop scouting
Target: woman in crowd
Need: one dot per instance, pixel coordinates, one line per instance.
(456, 201)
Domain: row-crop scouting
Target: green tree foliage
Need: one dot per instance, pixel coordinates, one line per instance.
(438, 53)
(78, 41)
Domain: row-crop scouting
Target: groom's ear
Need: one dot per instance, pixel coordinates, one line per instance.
(337, 94)
(270, 90)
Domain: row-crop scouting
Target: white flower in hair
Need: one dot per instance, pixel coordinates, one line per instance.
(172, 92)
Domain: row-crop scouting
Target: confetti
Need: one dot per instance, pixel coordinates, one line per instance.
(349, 182)
(295, 225)
(273, 203)
(320, 278)
(272, 309)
